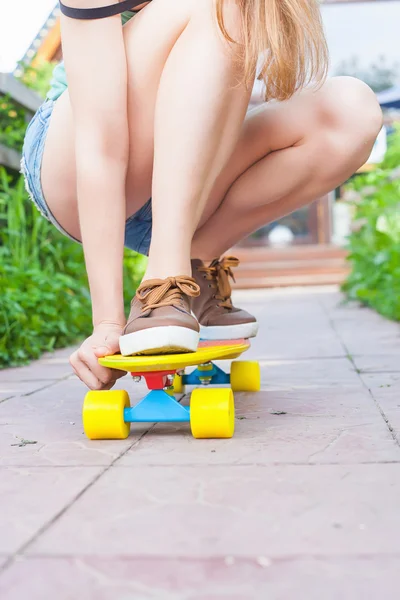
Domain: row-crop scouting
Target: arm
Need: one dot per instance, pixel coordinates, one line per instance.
(95, 63)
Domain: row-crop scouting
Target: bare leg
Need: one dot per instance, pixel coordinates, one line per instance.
(201, 107)
(288, 155)
(174, 53)
(164, 37)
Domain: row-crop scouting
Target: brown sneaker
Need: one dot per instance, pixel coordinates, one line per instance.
(218, 318)
(160, 321)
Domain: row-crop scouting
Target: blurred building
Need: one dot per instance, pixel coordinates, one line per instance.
(365, 30)
(47, 43)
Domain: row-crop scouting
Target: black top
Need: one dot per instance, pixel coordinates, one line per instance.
(99, 13)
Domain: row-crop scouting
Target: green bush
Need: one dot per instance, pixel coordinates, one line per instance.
(12, 123)
(13, 118)
(44, 303)
(375, 242)
(44, 299)
(38, 77)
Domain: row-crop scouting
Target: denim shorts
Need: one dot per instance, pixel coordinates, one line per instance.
(138, 226)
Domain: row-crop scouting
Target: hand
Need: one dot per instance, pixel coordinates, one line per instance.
(104, 341)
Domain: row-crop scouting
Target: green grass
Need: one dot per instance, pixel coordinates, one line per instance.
(44, 297)
(44, 300)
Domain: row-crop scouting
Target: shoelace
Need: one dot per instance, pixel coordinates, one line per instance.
(156, 293)
(219, 273)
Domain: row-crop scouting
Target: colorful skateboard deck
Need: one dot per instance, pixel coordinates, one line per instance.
(108, 414)
(206, 352)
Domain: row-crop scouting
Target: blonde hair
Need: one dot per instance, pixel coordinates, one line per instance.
(288, 36)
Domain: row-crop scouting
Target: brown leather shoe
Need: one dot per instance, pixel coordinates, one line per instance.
(160, 321)
(218, 318)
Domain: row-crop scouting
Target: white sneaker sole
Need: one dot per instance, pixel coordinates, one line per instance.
(159, 340)
(222, 332)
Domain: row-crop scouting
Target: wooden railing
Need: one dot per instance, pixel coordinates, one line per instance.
(26, 98)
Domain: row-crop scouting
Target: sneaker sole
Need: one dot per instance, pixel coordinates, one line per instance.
(159, 340)
(232, 332)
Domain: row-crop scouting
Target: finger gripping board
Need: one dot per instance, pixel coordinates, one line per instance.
(206, 352)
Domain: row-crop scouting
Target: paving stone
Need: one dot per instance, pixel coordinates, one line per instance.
(298, 300)
(6, 395)
(378, 364)
(385, 388)
(293, 324)
(312, 428)
(50, 366)
(370, 343)
(12, 389)
(181, 579)
(301, 503)
(283, 345)
(387, 385)
(377, 336)
(206, 512)
(324, 375)
(52, 419)
(311, 339)
(346, 444)
(32, 497)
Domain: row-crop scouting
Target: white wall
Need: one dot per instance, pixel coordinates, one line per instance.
(363, 29)
(19, 24)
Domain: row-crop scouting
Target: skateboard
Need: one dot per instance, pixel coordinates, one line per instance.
(211, 414)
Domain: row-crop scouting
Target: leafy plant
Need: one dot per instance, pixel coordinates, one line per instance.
(38, 77)
(12, 123)
(375, 241)
(45, 301)
(13, 118)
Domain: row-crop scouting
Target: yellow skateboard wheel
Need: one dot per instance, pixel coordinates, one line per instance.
(212, 413)
(103, 415)
(245, 376)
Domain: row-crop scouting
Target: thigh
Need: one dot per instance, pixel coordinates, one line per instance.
(271, 127)
(149, 37)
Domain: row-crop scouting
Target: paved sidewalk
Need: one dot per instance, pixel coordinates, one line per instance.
(303, 503)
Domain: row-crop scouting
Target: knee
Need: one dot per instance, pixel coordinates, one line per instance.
(348, 110)
(349, 105)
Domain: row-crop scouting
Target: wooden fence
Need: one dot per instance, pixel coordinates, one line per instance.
(26, 98)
